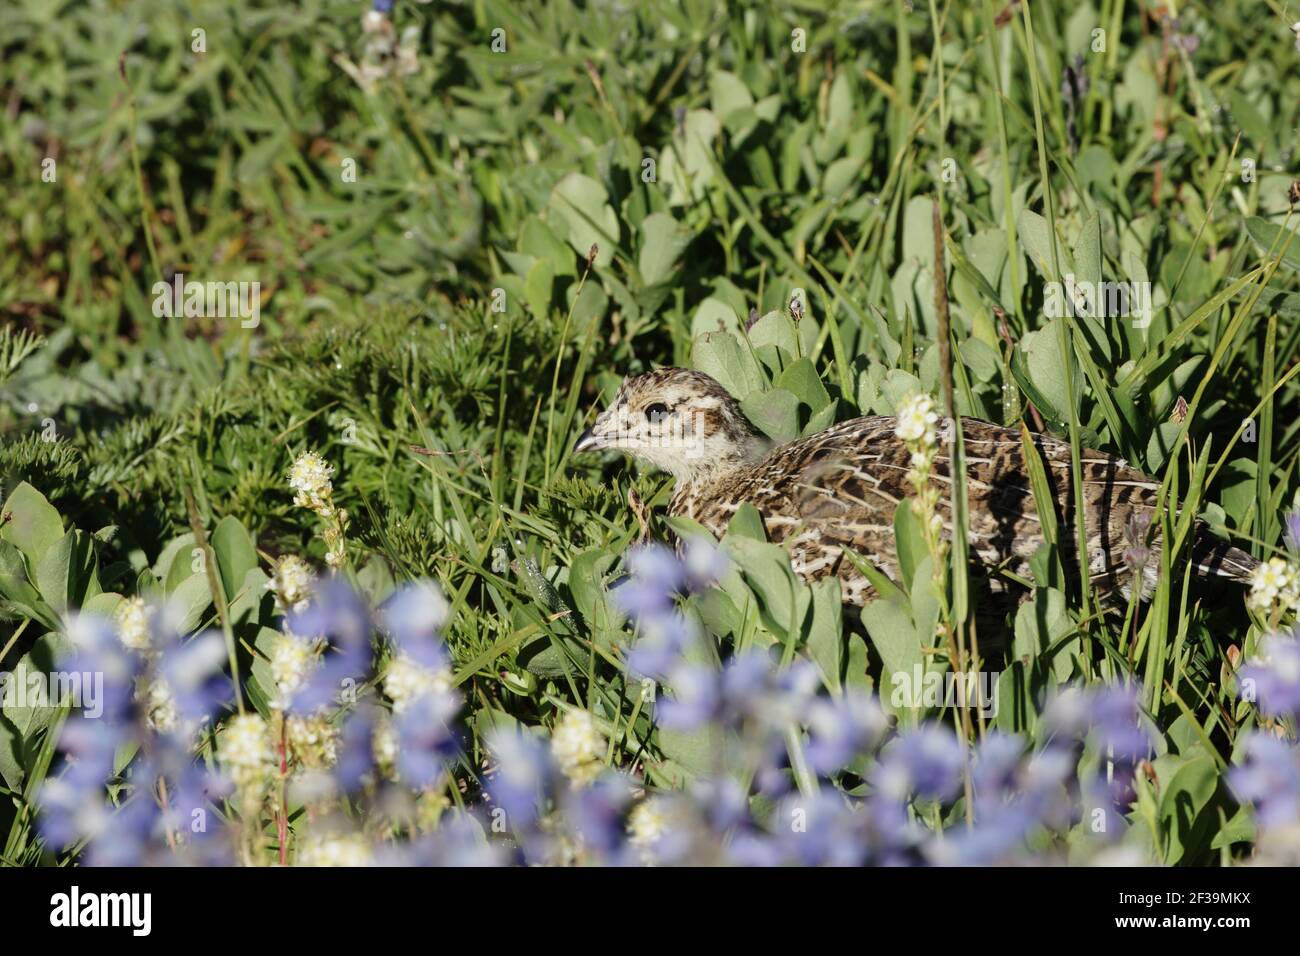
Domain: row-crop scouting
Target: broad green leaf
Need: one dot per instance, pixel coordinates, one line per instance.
(663, 240)
(783, 600)
(801, 379)
(537, 239)
(1187, 786)
(1035, 235)
(825, 634)
(191, 599)
(1268, 235)
(14, 585)
(33, 523)
(775, 412)
(581, 203)
(909, 540)
(713, 315)
(66, 574)
(104, 604)
(728, 94)
(11, 755)
(727, 359)
(895, 639)
(1045, 368)
(747, 522)
(235, 553)
(539, 287)
(1087, 252)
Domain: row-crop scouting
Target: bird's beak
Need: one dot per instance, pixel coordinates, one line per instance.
(587, 441)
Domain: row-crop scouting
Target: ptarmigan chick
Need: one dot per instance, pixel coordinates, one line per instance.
(838, 490)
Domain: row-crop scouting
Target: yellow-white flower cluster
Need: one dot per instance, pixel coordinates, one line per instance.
(159, 705)
(407, 680)
(917, 418)
(293, 658)
(351, 849)
(648, 822)
(385, 745)
(311, 479)
(247, 755)
(132, 619)
(313, 740)
(578, 747)
(1275, 587)
(916, 425)
(292, 583)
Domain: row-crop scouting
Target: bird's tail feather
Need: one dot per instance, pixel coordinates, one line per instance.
(1213, 558)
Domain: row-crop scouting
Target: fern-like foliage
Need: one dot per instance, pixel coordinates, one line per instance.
(15, 347)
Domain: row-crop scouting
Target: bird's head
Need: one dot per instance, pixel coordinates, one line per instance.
(680, 421)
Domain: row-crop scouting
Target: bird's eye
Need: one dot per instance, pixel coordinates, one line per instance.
(656, 411)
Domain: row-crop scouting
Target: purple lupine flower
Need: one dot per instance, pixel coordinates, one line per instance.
(1013, 797)
(994, 768)
(169, 798)
(770, 757)
(194, 674)
(662, 641)
(1273, 679)
(842, 729)
(754, 848)
(745, 678)
(995, 839)
(895, 838)
(1045, 779)
(461, 841)
(821, 829)
(695, 701)
(1116, 720)
(524, 775)
(655, 579)
(755, 688)
(723, 802)
(74, 802)
(427, 738)
(96, 650)
(190, 793)
(1269, 779)
(126, 839)
(703, 565)
(73, 799)
(1293, 531)
(924, 761)
(337, 613)
(597, 812)
(790, 691)
(648, 596)
(356, 749)
(414, 616)
(1110, 712)
(657, 565)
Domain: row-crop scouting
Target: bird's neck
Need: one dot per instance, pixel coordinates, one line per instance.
(704, 481)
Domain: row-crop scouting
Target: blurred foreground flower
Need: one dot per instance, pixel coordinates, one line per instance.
(1272, 679)
(578, 747)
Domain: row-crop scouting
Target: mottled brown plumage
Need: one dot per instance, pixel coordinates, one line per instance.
(839, 489)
